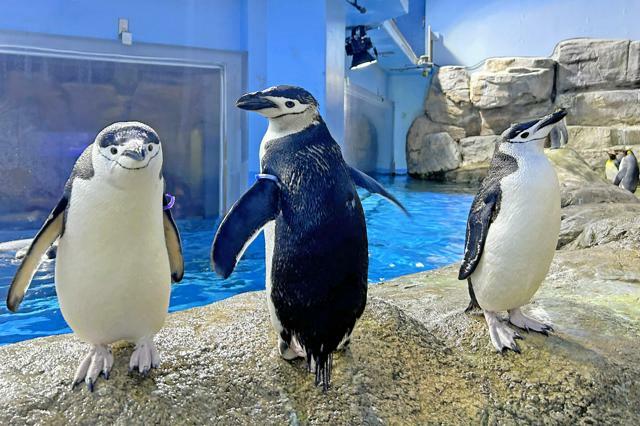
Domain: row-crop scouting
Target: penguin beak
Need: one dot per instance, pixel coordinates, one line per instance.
(254, 101)
(137, 154)
(551, 119)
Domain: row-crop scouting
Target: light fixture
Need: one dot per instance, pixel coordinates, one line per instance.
(358, 46)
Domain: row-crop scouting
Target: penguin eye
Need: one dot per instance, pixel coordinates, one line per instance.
(290, 104)
(524, 135)
(150, 147)
(114, 150)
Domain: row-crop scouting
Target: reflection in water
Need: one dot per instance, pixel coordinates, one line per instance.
(432, 237)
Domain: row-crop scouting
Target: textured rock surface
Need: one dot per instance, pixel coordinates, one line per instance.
(579, 184)
(495, 120)
(597, 224)
(591, 63)
(602, 108)
(514, 86)
(448, 100)
(478, 149)
(434, 154)
(415, 357)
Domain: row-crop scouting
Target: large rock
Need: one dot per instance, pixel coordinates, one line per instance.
(515, 62)
(433, 155)
(415, 358)
(468, 174)
(598, 224)
(478, 149)
(633, 66)
(422, 126)
(592, 137)
(496, 120)
(591, 63)
(511, 87)
(579, 184)
(602, 108)
(448, 100)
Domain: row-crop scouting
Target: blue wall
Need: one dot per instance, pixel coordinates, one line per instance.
(473, 30)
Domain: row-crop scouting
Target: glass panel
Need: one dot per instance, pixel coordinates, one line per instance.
(51, 108)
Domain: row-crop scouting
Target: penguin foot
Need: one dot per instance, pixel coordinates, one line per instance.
(517, 318)
(144, 357)
(98, 361)
(290, 351)
(502, 336)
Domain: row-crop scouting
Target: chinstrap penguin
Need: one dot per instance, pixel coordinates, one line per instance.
(315, 233)
(512, 230)
(628, 174)
(118, 249)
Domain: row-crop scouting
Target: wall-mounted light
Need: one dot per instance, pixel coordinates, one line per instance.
(358, 46)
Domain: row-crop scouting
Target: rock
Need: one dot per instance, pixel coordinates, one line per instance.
(471, 174)
(422, 126)
(591, 63)
(592, 137)
(506, 63)
(448, 100)
(512, 87)
(602, 108)
(434, 154)
(497, 120)
(579, 184)
(598, 224)
(478, 149)
(414, 358)
(633, 66)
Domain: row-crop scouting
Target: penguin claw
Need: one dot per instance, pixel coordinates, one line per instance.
(90, 385)
(517, 318)
(97, 362)
(144, 357)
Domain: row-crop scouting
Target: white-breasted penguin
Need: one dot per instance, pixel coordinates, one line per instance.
(118, 249)
(611, 167)
(512, 230)
(315, 231)
(628, 174)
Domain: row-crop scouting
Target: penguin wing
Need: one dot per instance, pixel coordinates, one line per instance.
(258, 206)
(621, 173)
(53, 227)
(174, 246)
(482, 213)
(370, 184)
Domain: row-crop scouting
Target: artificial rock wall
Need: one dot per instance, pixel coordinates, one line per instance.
(597, 81)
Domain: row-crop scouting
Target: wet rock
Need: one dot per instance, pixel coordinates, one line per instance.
(598, 224)
(579, 184)
(432, 155)
(591, 63)
(478, 149)
(602, 108)
(415, 357)
(448, 100)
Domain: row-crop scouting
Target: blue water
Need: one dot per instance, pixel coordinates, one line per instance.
(398, 245)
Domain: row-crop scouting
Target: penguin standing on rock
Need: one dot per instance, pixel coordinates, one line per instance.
(512, 230)
(315, 231)
(628, 174)
(118, 251)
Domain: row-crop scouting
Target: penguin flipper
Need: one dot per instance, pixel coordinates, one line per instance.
(53, 227)
(370, 184)
(174, 246)
(258, 206)
(483, 210)
(621, 173)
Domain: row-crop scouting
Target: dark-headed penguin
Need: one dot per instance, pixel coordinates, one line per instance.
(118, 251)
(315, 233)
(512, 230)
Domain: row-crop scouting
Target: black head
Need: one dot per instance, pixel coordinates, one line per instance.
(534, 130)
(278, 101)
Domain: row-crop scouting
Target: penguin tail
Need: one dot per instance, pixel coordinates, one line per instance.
(473, 303)
(322, 364)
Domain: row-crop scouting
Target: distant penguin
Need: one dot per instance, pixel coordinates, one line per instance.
(559, 136)
(118, 249)
(627, 176)
(611, 168)
(315, 231)
(512, 230)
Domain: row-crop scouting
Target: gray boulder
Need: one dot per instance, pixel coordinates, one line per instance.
(598, 224)
(602, 108)
(591, 64)
(478, 149)
(432, 155)
(495, 120)
(633, 66)
(511, 87)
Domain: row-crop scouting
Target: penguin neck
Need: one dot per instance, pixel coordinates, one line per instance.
(523, 149)
(290, 124)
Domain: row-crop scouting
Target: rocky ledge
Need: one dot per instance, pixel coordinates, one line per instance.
(415, 357)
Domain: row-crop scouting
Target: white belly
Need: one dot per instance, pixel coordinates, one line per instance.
(112, 271)
(269, 241)
(521, 241)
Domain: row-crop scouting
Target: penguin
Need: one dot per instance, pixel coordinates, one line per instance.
(559, 136)
(118, 249)
(512, 231)
(611, 168)
(305, 198)
(627, 176)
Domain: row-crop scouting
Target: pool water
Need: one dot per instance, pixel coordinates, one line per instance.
(398, 245)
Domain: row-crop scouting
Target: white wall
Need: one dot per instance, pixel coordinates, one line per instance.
(475, 30)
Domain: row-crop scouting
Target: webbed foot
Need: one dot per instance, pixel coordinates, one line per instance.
(144, 357)
(517, 318)
(502, 336)
(98, 361)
